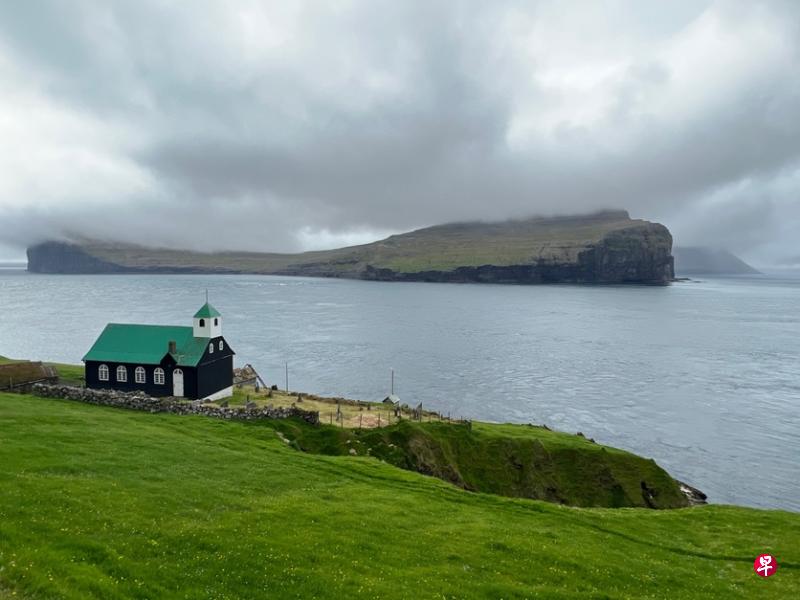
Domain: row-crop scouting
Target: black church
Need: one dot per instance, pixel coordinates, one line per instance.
(163, 360)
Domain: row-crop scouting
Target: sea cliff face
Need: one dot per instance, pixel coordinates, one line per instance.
(630, 256)
(603, 248)
(636, 254)
(61, 257)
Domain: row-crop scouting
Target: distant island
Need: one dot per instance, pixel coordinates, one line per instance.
(605, 247)
(700, 260)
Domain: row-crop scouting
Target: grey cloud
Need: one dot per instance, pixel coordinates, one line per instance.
(381, 116)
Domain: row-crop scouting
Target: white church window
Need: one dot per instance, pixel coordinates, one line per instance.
(211, 348)
(216, 321)
(122, 373)
(221, 345)
(202, 322)
(102, 372)
(158, 376)
(139, 375)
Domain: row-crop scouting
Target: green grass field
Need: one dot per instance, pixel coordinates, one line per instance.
(106, 503)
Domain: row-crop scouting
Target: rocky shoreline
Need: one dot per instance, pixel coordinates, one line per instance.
(695, 496)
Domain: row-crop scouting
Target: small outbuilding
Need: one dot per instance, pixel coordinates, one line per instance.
(392, 399)
(163, 360)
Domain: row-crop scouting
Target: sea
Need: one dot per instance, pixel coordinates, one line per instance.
(703, 375)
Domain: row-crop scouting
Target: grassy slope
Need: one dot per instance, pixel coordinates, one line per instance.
(69, 374)
(447, 247)
(440, 248)
(99, 502)
(510, 460)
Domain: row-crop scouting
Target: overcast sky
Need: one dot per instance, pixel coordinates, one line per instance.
(295, 125)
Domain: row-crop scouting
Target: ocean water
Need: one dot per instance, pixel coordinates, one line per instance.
(702, 376)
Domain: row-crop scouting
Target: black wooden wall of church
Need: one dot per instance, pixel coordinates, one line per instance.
(149, 386)
(214, 376)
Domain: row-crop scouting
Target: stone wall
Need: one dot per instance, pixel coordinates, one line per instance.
(139, 401)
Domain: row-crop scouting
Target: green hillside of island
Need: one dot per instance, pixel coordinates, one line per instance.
(99, 502)
(606, 247)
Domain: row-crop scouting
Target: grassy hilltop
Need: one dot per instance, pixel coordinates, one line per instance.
(107, 503)
(603, 247)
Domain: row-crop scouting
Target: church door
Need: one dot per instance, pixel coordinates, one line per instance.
(177, 383)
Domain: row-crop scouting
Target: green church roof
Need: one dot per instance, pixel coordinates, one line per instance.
(207, 311)
(147, 344)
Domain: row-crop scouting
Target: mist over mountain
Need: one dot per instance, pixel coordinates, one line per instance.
(700, 260)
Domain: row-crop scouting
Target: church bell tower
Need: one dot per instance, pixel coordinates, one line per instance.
(207, 322)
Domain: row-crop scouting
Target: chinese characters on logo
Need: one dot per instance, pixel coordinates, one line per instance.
(765, 565)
